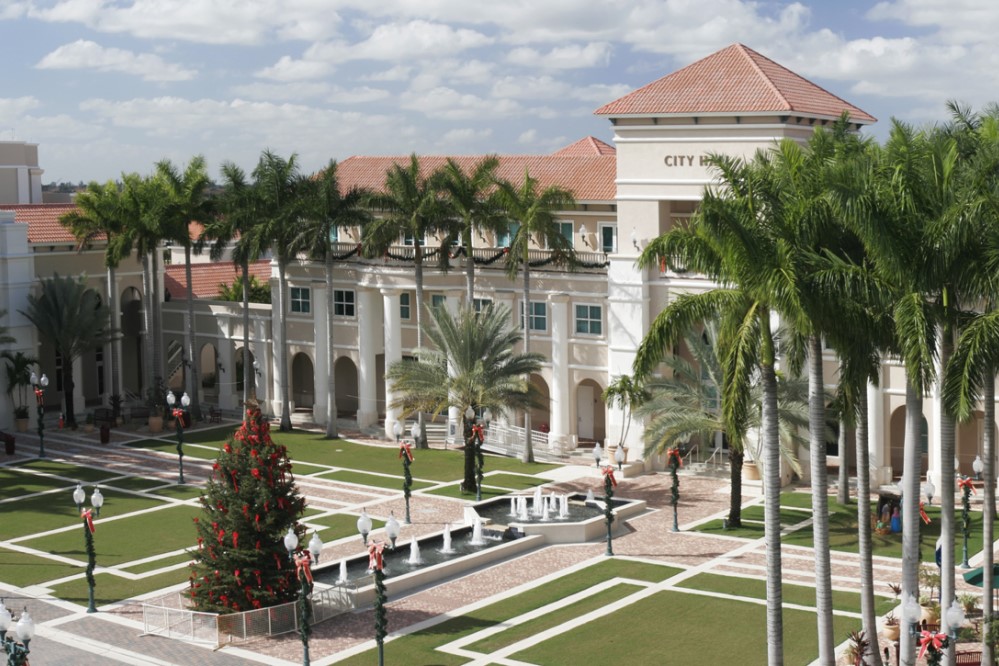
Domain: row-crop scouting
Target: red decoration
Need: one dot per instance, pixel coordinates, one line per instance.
(406, 449)
(256, 473)
(178, 415)
(478, 431)
(303, 565)
(235, 485)
(375, 555)
(930, 640)
(39, 395)
(674, 453)
(922, 514)
(235, 539)
(966, 482)
(88, 518)
(609, 473)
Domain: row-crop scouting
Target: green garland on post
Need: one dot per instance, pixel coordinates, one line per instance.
(609, 483)
(967, 487)
(406, 453)
(88, 538)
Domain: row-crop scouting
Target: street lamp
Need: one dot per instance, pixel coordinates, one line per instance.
(930, 489)
(475, 441)
(303, 570)
(179, 415)
(598, 453)
(415, 433)
(406, 453)
(364, 526)
(978, 467)
(315, 547)
(377, 565)
(955, 618)
(910, 613)
(40, 385)
(17, 653)
(97, 500)
(397, 429)
(392, 529)
(619, 456)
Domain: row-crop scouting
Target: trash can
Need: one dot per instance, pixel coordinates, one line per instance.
(105, 434)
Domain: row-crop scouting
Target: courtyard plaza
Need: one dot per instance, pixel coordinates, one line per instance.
(552, 605)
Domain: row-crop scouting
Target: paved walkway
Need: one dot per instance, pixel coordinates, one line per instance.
(66, 635)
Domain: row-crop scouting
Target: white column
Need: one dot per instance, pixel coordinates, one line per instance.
(451, 303)
(321, 334)
(367, 325)
(263, 354)
(560, 389)
(393, 351)
(226, 381)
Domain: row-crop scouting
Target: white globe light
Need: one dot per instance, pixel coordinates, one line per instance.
(291, 540)
(97, 499)
(910, 609)
(397, 429)
(44, 382)
(392, 528)
(930, 488)
(469, 413)
(315, 546)
(978, 466)
(34, 378)
(955, 615)
(598, 452)
(78, 495)
(171, 398)
(4, 619)
(25, 627)
(415, 430)
(364, 523)
(185, 400)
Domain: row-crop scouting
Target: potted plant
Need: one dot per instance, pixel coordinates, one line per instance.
(157, 404)
(21, 418)
(115, 401)
(930, 611)
(88, 423)
(969, 602)
(892, 629)
(19, 380)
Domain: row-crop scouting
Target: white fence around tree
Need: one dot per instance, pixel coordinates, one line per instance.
(169, 616)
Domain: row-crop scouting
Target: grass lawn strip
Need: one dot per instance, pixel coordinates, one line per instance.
(110, 588)
(452, 490)
(178, 492)
(694, 630)
(419, 647)
(590, 600)
(136, 483)
(339, 526)
(514, 481)
(73, 473)
(45, 513)
(376, 480)
(24, 569)
(158, 563)
(15, 485)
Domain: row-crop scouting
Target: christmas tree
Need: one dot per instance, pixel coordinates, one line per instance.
(250, 502)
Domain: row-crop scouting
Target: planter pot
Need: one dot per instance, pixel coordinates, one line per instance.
(8, 446)
(929, 615)
(750, 471)
(891, 632)
(105, 434)
(87, 427)
(21, 424)
(155, 424)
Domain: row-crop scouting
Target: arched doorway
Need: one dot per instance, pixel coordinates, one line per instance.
(897, 443)
(176, 366)
(303, 382)
(238, 355)
(131, 341)
(541, 411)
(347, 387)
(590, 412)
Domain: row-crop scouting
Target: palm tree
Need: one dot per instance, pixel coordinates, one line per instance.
(410, 205)
(472, 363)
(72, 319)
(188, 202)
(471, 206)
(18, 378)
(535, 213)
(99, 212)
(626, 394)
(278, 185)
(328, 210)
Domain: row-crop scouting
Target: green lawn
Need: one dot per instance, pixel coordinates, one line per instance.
(390, 482)
(748, 530)
(157, 564)
(512, 481)
(47, 512)
(110, 588)
(418, 648)
(74, 472)
(22, 569)
(340, 525)
(136, 483)
(488, 492)
(15, 483)
(128, 539)
(700, 630)
(178, 492)
(191, 450)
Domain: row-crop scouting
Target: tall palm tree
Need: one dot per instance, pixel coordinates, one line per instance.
(326, 211)
(409, 205)
(471, 206)
(278, 186)
(188, 202)
(72, 319)
(627, 394)
(535, 212)
(472, 363)
(99, 212)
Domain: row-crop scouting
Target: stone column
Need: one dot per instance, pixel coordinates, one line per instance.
(321, 334)
(367, 325)
(561, 391)
(226, 381)
(393, 351)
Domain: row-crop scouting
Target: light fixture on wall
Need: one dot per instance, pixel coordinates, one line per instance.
(220, 367)
(634, 240)
(583, 236)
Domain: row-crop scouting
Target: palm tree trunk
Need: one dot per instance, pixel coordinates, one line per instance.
(820, 501)
(67, 390)
(843, 485)
(114, 361)
(283, 349)
(771, 491)
(249, 376)
(147, 323)
(947, 518)
(331, 415)
(988, 502)
(528, 456)
(421, 442)
(469, 269)
(735, 458)
(864, 534)
(910, 507)
(195, 359)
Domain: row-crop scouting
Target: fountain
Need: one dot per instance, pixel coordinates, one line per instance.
(545, 517)
(343, 573)
(447, 549)
(477, 538)
(589, 496)
(537, 501)
(414, 553)
(513, 505)
(523, 515)
(563, 508)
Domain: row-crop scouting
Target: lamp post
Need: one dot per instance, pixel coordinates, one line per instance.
(967, 487)
(674, 462)
(598, 453)
(97, 500)
(955, 618)
(406, 453)
(475, 440)
(392, 529)
(619, 457)
(179, 415)
(397, 430)
(364, 526)
(17, 653)
(609, 483)
(978, 467)
(40, 385)
(376, 565)
(414, 432)
(303, 570)
(910, 614)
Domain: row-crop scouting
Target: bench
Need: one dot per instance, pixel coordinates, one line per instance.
(214, 415)
(104, 416)
(968, 658)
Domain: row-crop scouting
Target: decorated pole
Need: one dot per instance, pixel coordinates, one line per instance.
(406, 453)
(675, 462)
(178, 419)
(932, 644)
(303, 570)
(376, 564)
(88, 539)
(609, 483)
(477, 436)
(967, 487)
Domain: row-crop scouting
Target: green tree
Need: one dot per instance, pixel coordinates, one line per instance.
(534, 212)
(471, 206)
(188, 201)
(472, 363)
(72, 319)
(409, 206)
(18, 379)
(249, 504)
(259, 293)
(327, 211)
(626, 394)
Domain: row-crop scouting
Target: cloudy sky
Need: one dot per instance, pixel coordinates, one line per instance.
(107, 86)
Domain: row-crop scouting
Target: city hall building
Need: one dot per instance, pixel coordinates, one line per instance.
(587, 323)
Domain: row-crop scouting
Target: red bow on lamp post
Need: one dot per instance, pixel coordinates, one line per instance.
(929, 640)
(922, 514)
(88, 517)
(178, 414)
(39, 395)
(966, 483)
(375, 555)
(406, 449)
(303, 566)
(609, 473)
(478, 432)
(674, 453)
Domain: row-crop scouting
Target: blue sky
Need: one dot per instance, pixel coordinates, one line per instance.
(106, 86)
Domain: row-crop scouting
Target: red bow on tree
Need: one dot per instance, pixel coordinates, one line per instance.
(178, 414)
(966, 483)
(674, 453)
(303, 565)
(931, 640)
(922, 514)
(88, 518)
(406, 449)
(375, 555)
(609, 473)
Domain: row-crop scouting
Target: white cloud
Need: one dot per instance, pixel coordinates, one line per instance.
(465, 135)
(297, 90)
(528, 137)
(451, 104)
(289, 69)
(12, 107)
(397, 73)
(84, 54)
(360, 95)
(595, 54)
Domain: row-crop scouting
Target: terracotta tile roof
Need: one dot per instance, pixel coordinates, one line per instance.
(206, 278)
(736, 79)
(588, 172)
(587, 146)
(43, 221)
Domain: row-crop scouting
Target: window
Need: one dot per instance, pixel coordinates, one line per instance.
(407, 238)
(300, 299)
(538, 316)
(565, 228)
(438, 301)
(608, 238)
(343, 303)
(505, 238)
(480, 304)
(404, 311)
(589, 319)
(335, 235)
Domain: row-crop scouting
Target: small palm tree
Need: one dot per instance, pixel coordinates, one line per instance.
(472, 364)
(626, 394)
(72, 319)
(19, 379)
